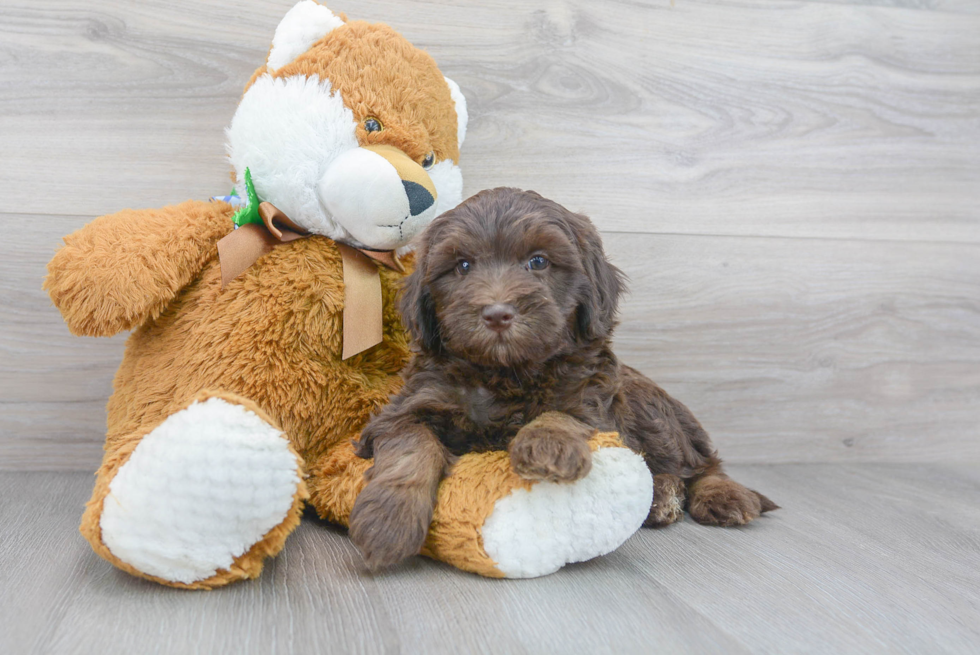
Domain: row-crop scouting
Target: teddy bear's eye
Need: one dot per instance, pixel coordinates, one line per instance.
(537, 263)
(429, 160)
(372, 124)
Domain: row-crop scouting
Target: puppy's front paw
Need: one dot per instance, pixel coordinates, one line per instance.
(390, 523)
(543, 454)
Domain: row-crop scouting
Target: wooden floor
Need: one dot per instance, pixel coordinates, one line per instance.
(861, 559)
(793, 187)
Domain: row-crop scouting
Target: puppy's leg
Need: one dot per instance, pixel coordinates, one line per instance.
(391, 516)
(673, 442)
(712, 497)
(668, 501)
(554, 447)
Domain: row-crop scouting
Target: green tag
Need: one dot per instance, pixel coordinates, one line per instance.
(250, 212)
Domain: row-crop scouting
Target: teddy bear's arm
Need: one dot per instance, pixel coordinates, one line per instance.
(122, 269)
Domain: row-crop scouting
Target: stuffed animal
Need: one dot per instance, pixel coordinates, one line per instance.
(264, 331)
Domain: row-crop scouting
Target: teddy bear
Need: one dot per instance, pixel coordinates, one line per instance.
(264, 331)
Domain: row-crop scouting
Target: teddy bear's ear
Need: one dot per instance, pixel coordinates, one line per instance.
(461, 115)
(302, 26)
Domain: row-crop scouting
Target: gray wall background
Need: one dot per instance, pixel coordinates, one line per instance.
(793, 187)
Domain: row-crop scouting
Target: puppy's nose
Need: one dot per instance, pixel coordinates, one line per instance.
(498, 317)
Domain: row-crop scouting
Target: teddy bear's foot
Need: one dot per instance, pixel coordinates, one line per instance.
(203, 498)
(490, 521)
(534, 532)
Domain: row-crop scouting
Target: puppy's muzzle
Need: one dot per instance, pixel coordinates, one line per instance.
(498, 317)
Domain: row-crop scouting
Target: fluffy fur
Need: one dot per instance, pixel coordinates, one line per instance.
(155, 531)
(268, 344)
(513, 304)
(299, 118)
(533, 532)
(302, 26)
(288, 131)
(270, 341)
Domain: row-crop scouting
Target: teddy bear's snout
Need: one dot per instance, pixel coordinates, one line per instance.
(379, 195)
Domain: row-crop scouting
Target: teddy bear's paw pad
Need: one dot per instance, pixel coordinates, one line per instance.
(537, 531)
(199, 491)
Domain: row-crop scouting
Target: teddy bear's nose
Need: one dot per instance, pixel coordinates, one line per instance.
(419, 198)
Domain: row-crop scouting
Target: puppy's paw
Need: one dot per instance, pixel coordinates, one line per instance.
(544, 454)
(668, 501)
(390, 523)
(719, 501)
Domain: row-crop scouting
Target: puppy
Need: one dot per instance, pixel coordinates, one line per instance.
(513, 305)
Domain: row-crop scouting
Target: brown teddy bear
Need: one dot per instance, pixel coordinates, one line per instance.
(258, 353)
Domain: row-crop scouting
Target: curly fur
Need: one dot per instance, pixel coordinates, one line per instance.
(539, 388)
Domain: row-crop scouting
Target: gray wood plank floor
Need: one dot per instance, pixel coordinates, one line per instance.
(792, 185)
(861, 559)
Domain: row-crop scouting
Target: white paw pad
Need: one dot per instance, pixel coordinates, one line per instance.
(535, 532)
(199, 490)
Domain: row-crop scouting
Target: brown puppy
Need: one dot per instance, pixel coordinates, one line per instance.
(513, 305)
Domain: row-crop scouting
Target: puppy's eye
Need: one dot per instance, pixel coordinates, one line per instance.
(463, 267)
(372, 124)
(537, 263)
(429, 160)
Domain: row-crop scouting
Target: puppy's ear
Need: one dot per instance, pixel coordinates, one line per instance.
(418, 309)
(599, 301)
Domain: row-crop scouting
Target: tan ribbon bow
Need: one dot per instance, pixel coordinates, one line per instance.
(240, 249)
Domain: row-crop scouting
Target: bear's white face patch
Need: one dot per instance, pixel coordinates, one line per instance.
(299, 141)
(287, 132)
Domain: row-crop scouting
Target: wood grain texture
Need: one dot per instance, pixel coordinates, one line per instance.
(793, 187)
(953, 6)
(754, 118)
(788, 350)
(861, 559)
(864, 559)
(811, 350)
